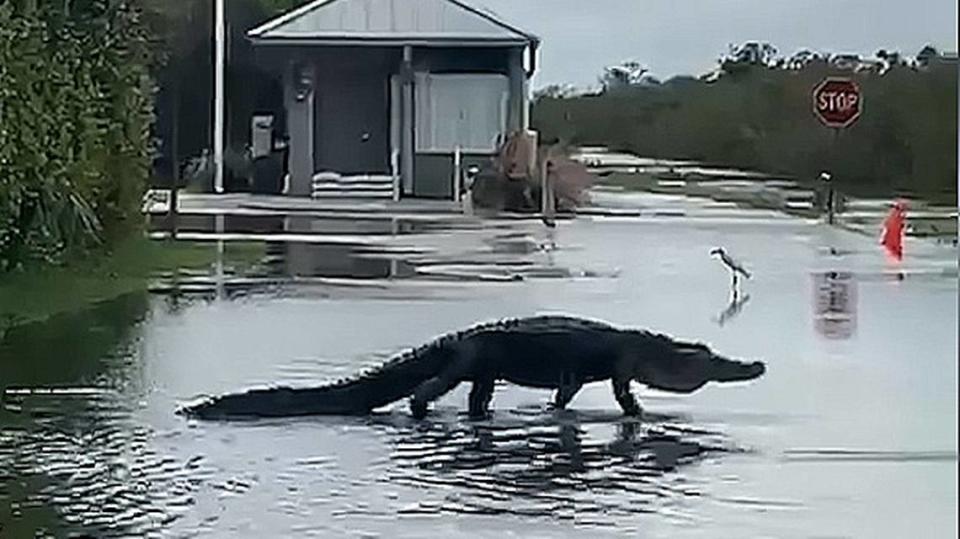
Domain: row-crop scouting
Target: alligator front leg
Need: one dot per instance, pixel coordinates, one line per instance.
(626, 400)
(480, 396)
(569, 387)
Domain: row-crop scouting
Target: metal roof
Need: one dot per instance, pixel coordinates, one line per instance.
(393, 22)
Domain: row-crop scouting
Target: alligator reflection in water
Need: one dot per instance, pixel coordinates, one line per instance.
(555, 468)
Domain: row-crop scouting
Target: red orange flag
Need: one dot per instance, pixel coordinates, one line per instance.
(893, 226)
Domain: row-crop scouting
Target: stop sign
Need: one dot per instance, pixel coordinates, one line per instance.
(837, 102)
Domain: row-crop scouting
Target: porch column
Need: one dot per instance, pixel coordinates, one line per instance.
(529, 69)
(517, 98)
(298, 95)
(406, 120)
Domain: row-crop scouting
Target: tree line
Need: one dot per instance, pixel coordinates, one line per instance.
(755, 111)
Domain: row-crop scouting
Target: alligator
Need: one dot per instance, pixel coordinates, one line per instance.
(551, 352)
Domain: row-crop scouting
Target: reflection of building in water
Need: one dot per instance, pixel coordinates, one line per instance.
(301, 259)
(835, 304)
(341, 259)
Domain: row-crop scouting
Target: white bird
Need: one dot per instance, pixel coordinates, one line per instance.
(735, 267)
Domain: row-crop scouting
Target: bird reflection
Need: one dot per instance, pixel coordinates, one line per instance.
(549, 245)
(737, 302)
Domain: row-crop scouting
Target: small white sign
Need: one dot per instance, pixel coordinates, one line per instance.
(261, 135)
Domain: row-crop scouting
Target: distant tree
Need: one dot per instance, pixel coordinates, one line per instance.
(802, 58)
(893, 58)
(754, 53)
(748, 56)
(846, 61)
(926, 55)
(626, 74)
(928, 51)
(554, 91)
(681, 80)
(760, 117)
(650, 80)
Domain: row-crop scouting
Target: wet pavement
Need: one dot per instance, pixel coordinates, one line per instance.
(851, 433)
(736, 188)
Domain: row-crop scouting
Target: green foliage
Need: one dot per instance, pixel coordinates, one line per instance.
(273, 7)
(75, 112)
(761, 117)
(127, 266)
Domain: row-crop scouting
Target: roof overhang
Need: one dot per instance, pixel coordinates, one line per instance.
(354, 41)
(329, 23)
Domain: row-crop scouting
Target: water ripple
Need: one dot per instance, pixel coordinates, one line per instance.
(95, 468)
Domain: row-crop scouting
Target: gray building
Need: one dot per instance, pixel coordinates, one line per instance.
(393, 90)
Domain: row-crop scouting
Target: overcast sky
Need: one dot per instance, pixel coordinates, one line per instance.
(673, 37)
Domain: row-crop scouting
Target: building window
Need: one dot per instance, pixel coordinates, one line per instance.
(468, 111)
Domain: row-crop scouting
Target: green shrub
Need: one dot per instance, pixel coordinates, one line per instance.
(75, 112)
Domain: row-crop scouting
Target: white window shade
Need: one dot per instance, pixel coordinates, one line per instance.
(465, 111)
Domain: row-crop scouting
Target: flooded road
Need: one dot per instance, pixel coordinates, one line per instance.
(851, 433)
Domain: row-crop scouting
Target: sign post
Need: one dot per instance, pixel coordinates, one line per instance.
(837, 103)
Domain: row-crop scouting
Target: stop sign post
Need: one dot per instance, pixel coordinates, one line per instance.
(837, 102)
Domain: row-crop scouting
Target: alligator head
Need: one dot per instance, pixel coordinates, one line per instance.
(685, 367)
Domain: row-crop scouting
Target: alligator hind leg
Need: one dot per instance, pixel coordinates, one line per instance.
(430, 391)
(626, 400)
(569, 387)
(480, 396)
(462, 357)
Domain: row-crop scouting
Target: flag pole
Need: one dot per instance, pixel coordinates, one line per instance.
(218, 98)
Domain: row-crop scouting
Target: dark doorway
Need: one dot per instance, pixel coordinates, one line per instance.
(352, 123)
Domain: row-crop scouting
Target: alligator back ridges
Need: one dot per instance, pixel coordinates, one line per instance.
(407, 359)
(374, 387)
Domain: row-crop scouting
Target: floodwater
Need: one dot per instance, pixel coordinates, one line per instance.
(851, 433)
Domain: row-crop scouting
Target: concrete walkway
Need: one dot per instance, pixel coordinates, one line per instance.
(250, 204)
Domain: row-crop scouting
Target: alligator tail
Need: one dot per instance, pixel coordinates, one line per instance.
(392, 381)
